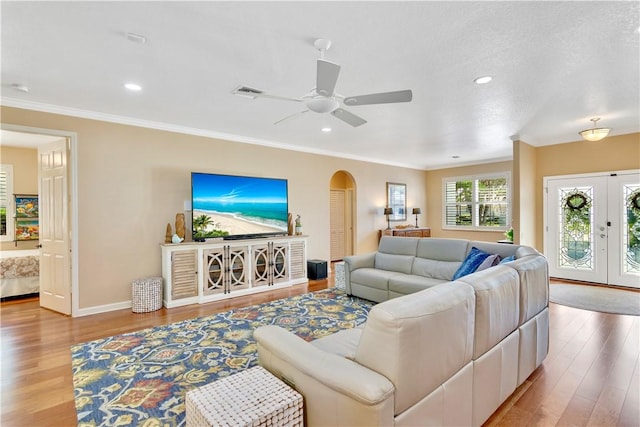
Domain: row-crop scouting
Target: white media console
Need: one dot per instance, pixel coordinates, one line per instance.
(195, 273)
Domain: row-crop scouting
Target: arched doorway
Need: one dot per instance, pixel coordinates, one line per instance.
(342, 212)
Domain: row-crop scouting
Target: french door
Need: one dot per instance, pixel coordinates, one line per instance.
(592, 228)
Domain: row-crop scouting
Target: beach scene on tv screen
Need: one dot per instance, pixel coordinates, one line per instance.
(227, 205)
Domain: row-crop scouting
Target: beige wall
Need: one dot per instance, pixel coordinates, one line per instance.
(434, 200)
(132, 181)
(524, 194)
(25, 181)
(615, 153)
(530, 166)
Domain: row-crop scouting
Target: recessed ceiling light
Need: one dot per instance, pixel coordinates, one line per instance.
(483, 80)
(326, 129)
(136, 38)
(132, 86)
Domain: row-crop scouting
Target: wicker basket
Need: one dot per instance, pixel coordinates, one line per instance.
(146, 295)
(249, 398)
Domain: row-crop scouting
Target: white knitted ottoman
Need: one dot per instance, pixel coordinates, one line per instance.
(249, 398)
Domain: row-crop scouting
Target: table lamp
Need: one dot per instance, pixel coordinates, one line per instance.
(416, 212)
(387, 212)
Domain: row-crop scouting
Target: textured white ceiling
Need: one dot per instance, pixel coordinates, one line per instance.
(554, 66)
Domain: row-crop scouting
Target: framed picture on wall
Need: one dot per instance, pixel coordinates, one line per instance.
(27, 229)
(397, 200)
(27, 225)
(26, 206)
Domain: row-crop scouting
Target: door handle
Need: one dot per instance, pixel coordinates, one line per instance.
(603, 235)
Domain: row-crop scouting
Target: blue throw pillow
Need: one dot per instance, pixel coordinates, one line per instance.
(507, 259)
(471, 262)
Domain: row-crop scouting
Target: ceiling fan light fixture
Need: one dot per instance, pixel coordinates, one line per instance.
(595, 133)
(323, 105)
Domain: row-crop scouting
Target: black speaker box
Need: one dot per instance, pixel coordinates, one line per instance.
(316, 269)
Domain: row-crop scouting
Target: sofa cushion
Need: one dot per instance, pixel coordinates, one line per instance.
(343, 343)
(419, 341)
(398, 245)
(442, 249)
(471, 263)
(391, 262)
(443, 270)
(411, 283)
(533, 272)
(497, 292)
(372, 277)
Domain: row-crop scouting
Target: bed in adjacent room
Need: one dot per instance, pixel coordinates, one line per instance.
(19, 273)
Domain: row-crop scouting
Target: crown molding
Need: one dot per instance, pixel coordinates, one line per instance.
(112, 118)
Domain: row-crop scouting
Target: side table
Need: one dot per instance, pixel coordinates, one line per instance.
(249, 398)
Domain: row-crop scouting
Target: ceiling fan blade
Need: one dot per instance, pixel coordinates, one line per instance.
(380, 98)
(250, 92)
(327, 76)
(348, 117)
(299, 113)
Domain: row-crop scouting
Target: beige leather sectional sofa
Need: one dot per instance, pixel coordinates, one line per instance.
(435, 352)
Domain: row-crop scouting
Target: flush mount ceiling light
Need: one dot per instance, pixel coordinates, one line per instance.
(326, 129)
(483, 80)
(133, 87)
(595, 133)
(20, 88)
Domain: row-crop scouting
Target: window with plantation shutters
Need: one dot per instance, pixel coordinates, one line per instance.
(477, 202)
(6, 191)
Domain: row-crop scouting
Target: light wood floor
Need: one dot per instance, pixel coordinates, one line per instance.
(590, 377)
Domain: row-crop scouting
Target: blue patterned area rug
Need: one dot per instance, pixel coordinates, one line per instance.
(141, 378)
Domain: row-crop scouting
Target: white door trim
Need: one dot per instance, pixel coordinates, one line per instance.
(73, 209)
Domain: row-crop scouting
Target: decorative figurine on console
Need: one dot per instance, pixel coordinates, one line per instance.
(298, 225)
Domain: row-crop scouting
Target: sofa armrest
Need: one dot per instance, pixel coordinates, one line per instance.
(356, 394)
(354, 262)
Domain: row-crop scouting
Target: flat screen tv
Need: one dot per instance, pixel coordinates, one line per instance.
(237, 207)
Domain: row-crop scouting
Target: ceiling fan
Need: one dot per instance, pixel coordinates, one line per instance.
(324, 99)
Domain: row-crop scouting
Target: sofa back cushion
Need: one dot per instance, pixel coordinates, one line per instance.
(396, 253)
(442, 249)
(442, 270)
(398, 245)
(497, 292)
(439, 258)
(418, 341)
(399, 263)
(533, 271)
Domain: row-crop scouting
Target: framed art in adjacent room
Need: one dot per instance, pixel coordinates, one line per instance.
(27, 226)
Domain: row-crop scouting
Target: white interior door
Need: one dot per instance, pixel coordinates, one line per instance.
(337, 224)
(592, 231)
(55, 258)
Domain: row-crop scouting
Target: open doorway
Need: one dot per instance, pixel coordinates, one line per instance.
(342, 215)
(33, 155)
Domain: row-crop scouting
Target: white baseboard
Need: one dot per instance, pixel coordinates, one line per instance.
(103, 308)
